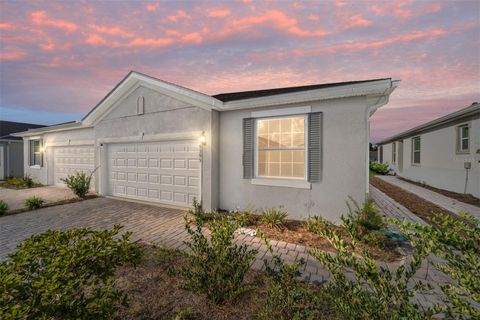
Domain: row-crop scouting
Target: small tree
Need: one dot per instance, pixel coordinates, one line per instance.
(79, 183)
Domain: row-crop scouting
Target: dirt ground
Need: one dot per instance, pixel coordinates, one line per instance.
(412, 202)
(155, 291)
(466, 198)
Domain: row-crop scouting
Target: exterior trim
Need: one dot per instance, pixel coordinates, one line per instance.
(281, 112)
(152, 137)
(288, 183)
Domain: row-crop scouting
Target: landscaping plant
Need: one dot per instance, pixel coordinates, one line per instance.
(3, 207)
(380, 168)
(79, 183)
(217, 266)
(457, 243)
(65, 275)
(245, 217)
(371, 292)
(273, 218)
(34, 203)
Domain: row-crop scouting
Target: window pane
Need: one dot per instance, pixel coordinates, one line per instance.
(273, 126)
(263, 141)
(262, 127)
(274, 169)
(286, 140)
(36, 146)
(286, 125)
(416, 144)
(298, 156)
(262, 156)
(464, 144)
(286, 156)
(286, 170)
(416, 157)
(37, 159)
(262, 169)
(298, 170)
(274, 156)
(274, 140)
(465, 132)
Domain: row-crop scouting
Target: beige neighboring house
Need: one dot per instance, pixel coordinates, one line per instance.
(304, 149)
(443, 153)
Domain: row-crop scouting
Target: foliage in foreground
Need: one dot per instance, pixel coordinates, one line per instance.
(3, 207)
(380, 168)
(273, 218)
(373, 292)
(217, 266)
(65, 275)
(457, 243)
(79, 183)
(34, 203)
(20, 182)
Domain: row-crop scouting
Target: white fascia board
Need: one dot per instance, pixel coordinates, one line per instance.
(352, 90)
(135, 80)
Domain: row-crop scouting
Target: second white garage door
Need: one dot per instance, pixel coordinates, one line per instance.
(163, 172)
(72, 159)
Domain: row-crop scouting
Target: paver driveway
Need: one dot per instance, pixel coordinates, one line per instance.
(149, 223)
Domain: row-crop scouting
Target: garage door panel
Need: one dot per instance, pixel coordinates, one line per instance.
(164, 172)
(72, 159)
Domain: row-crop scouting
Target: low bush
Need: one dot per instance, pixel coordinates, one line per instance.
(316, 223)
(380, 168)
(3, 207)
(361, 221)
(28, 182)
(245, 218)
(20, 183)
(374, 292)
(273, 218)
(217, 267)
(79, 183)
(65, 275)
(457, 243)
(34, 203)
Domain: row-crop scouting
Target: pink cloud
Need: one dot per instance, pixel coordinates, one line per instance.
(41, 18)
(150, 42)
(96, 40)
(6, 26)
(180, 14)
(219, 13)
(152, 7)
(113, 31)
(193, 37)
(349, 20)
(12, 55)
(342, 4)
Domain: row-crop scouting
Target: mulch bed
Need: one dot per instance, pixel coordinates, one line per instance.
(52, 204)
(154, 290)
(16, 187)
(466, 198)
(412, 202)
(295, 232)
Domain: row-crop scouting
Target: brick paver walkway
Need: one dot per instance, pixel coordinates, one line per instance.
(16, 198)
(440, 200)
(165, 227)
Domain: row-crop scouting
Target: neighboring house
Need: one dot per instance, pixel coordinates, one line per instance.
(304, 149)
(443, 153)
(11, 148)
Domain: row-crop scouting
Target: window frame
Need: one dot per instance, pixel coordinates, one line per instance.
(460, 138)
(419, 150)
(257, 178)
(394, 152)
(32, 153)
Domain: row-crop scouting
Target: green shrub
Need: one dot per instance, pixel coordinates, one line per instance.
(245, 218)
(375, 292)
(34, 203)
(28, 182)
(361, 221)
(315, 223)
(273, 218)
(79, 183)
(380, 168)
(457, 243)
(3, 207)
(217, 267)
(65, 275)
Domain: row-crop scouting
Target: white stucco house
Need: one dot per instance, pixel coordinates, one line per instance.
(304, 149)
(443, 153)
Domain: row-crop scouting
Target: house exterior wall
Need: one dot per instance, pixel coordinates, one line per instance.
(344, 163)
(441, 166)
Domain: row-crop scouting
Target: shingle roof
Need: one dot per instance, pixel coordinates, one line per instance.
(8, 127)
(232, 96)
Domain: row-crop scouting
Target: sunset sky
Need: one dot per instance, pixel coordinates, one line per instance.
(57, 60)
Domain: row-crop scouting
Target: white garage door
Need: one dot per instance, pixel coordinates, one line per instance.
(68, 160)
(163, 172)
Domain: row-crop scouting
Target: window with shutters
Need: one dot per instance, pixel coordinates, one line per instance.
(281, 145)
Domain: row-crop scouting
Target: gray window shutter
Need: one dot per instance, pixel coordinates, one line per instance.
(315, 122)
(248, 147)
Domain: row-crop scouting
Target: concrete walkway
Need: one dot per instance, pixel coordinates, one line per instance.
(440, 200)
(16, 198)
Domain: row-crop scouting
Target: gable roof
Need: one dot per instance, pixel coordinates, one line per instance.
(232, 96)
(473, 109)
(9, 127)
(227, 101)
